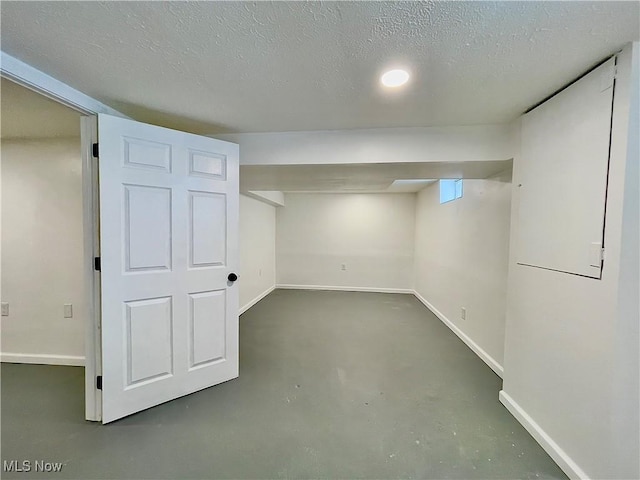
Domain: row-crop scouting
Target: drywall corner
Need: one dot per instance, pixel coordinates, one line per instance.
(255, 300)
(257, 272)
(273, 198)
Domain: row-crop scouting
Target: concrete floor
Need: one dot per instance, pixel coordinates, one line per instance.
(332, 385)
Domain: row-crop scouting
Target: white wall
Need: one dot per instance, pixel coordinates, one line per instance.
(461, 260)
(563, 333)
(376, 145)
(371, 234)
(0, 240)
(42, 250)
(626, 391)
(257, 250)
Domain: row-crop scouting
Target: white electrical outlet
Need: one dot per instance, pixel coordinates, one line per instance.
(5, 309)
(68, 310)
(463, 313)
(343, 267)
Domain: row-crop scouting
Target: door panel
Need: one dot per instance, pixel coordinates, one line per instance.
(208, 246)
(148, 322)
(168, 237)
(147, 228)
(207, 312)
(562, 181)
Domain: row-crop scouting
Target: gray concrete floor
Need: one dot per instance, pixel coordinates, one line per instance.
(332, 385)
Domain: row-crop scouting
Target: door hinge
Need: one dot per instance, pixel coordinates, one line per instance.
(596, 255)
(95, 150)
(99, 382)
(97, 264)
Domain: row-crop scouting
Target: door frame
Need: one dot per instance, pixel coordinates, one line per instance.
(91, 250)
(41, 83)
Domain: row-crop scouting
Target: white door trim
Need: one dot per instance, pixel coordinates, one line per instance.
(42, 359)
(33, 79)
(91, 249)
(39, 82)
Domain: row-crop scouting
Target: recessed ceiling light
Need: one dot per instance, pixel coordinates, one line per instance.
(394, 78)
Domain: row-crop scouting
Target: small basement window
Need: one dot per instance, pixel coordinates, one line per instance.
(450, 189)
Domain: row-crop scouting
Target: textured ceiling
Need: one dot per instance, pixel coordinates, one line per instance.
(212, 67)
(26, 114)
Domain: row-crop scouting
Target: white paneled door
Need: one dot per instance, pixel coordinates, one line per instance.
(169, 255)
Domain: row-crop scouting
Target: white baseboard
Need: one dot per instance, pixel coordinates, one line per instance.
(42, 359)
(559, 456)
(488, 359)
(257, 299)
(345, 289)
